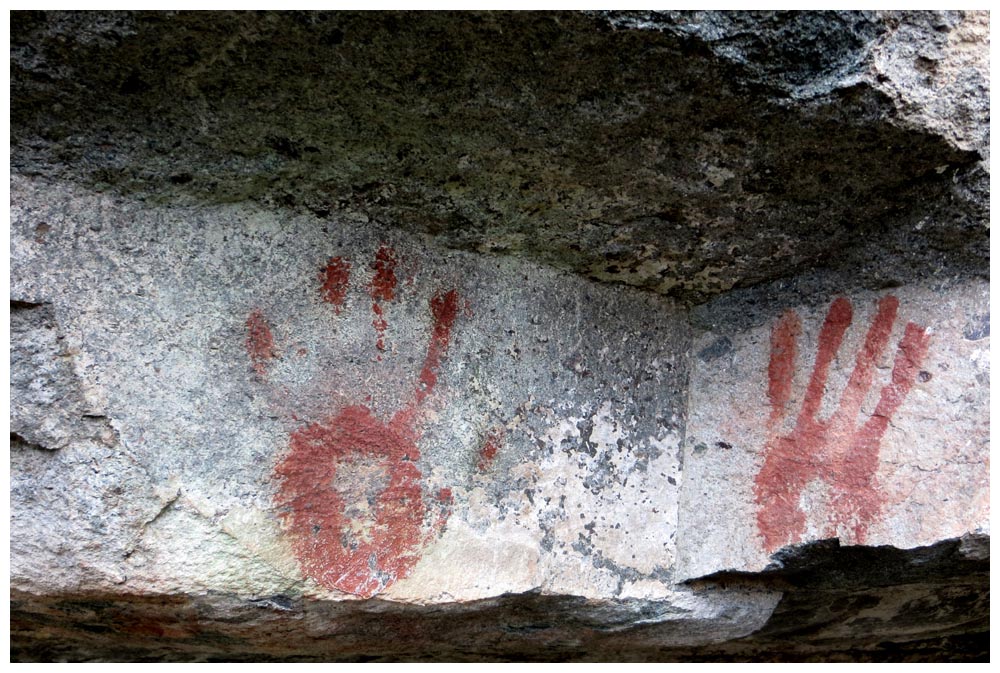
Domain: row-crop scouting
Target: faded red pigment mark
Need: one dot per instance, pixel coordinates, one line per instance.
(260, 342)
(836, 451)
(334, 278)
(383, 288)
(444, 308)
(350, 490)
(383, 285)
(491, 445)
(145, 627)
(337, 548)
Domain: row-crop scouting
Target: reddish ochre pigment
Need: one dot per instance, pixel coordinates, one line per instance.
(444, 308)
(150, 627)
(383, 288)
(494, 440)
(260, 342)
(336, 546)
(330, 549)
(380, 324)
(784, 340)
(383, 285)
(836, 451)
(334, 280)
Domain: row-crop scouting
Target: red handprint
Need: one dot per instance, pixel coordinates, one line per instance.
(350, 490)
(837, 451)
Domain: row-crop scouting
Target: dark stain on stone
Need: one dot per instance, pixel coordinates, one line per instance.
(977, 328)
(586, 428)
(525, 626)
(41, 231)
(19, 305)
(333, 37)
(716, 349)
(134, 84)
(949, 579)
(286, 147)
(276, 602)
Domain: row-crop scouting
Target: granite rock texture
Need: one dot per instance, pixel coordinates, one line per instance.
(488, 336)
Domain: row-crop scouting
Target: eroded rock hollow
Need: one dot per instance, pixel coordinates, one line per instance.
(487, 336)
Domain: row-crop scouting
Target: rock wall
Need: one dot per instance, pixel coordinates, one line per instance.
(485, 336)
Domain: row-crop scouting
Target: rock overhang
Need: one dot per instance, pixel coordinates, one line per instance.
(684, 153)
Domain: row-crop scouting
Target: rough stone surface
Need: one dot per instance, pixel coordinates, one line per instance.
(838, 604)
(685, 153)
(896, 457)
(551, 336)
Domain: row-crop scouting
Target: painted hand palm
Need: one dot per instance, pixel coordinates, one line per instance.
(350, 490)
(841, 451)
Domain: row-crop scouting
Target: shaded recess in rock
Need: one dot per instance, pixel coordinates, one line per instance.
(871, 603)
(832, 594)
(675, 152)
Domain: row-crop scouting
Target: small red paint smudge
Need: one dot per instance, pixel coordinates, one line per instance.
(836, 451)
(444, 495)
(382, 288)
(41, 231)
(260, 342)
(380, 324)
(150, 627)
(494, 440)
(335, 278)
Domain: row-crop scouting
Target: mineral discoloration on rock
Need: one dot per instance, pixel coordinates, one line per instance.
(836, 603)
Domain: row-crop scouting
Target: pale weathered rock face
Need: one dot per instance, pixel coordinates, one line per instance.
(299, 368)
(865, 420)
